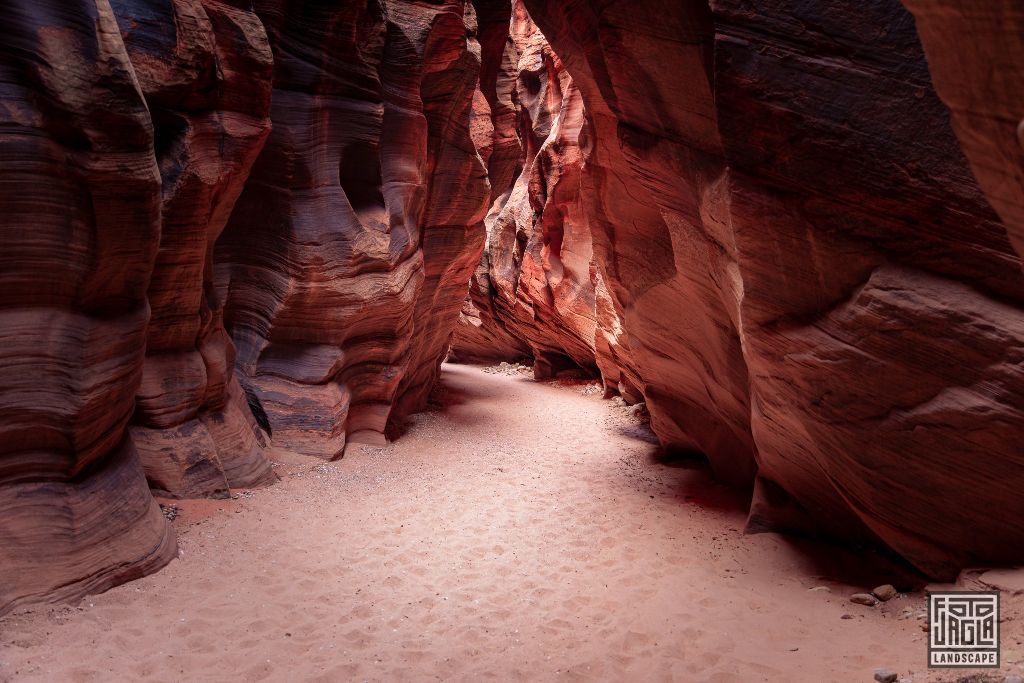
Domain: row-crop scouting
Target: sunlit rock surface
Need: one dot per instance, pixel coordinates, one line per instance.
(533, 288)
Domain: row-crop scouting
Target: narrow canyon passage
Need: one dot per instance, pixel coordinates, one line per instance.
(264, 265)
(517, 531)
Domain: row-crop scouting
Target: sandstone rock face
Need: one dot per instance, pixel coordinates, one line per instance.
(530, 293)
(80, 190)
(479, 334)
(205, 71)
(884, 341)
(974, 52)
(796, 268)
(347, 256)
(583, 260)
(480, 337)
(131, 129)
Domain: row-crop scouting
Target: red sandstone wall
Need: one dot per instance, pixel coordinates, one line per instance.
(346, 258)
(757, 220)
(205, 71)
(974, 52)
(532, 292)
(80, 191)
(803, 279)
(130, 129)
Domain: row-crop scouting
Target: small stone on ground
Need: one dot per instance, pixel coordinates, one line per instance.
(885, 593)
(863, 599)
(885, 676)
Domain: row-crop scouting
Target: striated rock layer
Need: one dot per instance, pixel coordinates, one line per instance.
(205, 70)
(789, 258)
(884, 337)
(80, 192)
(756, 217)
(345, 261)
(132, 132)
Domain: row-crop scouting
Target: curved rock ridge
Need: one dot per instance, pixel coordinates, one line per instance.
(479, 335)
(792, 263)
(347, 256)
(205, 70)
(80, 190)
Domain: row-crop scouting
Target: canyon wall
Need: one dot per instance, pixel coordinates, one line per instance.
(204, 69)
(299, 174)
(790, 259)
(974, 51)
(80, 188)
(345, 261)
(529, 296)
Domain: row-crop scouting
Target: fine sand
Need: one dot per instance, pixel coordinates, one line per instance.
(517, 531)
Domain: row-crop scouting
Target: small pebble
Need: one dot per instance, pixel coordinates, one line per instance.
(846, 616)
(885, 592)
(863, 599)
(885, 676)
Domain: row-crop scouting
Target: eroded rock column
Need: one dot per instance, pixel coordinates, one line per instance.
(80, 190)
(345, 259)
(204, 68)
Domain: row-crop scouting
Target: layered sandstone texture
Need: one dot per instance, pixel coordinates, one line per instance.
(80, 191)
(346, 259)
(204, 68)
(974, 50)
(136, 137)
(759, 218)
(532, 289)
(773, 237)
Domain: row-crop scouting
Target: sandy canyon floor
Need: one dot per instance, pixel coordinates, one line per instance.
(518, 531)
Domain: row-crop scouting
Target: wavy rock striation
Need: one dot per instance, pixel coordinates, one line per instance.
(346, 258)
(80, 190)
(756, 217)
(135, 133)
(205, 70)
(532, 293)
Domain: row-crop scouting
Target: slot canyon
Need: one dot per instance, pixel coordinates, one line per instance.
(508, 339)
